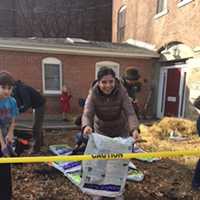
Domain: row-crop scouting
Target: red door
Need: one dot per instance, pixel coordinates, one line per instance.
(172, 92)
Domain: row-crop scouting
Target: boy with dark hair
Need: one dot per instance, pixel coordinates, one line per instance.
(8, 112)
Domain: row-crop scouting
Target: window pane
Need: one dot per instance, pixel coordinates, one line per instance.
(122, 18)
(121, 24)
(160, 6)
(52, 76)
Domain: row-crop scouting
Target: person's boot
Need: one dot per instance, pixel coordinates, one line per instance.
(34, 148)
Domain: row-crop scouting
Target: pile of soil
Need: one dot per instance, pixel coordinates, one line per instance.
(166, 179)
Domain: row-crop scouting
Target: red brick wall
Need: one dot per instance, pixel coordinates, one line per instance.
(78, 72)
(179, 24)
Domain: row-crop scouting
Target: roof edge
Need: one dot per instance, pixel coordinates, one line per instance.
(75, 51)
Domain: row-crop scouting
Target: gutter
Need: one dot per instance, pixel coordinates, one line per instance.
(75, 51)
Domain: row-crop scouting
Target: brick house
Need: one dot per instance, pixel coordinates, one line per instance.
(46, 64)
(173, 28)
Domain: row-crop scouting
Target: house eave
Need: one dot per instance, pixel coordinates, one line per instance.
(76, 51)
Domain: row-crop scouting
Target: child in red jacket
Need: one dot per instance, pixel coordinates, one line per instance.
(65, 102)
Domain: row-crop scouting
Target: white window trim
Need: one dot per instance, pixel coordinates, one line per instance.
(163, 12)
(119, 29)
(122, 8)
(107, 64)
(160, 14)
(51, 60)
(161, 93)
(183, 3)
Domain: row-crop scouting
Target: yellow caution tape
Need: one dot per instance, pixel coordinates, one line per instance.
(112, 156)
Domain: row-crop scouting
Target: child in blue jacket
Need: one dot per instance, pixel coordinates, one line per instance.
(8, 112)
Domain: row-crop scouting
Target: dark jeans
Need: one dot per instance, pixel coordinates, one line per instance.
(198, 125)
(137, 110)
(81, 142)
(5, 181)
(37, 128)
(196, 176)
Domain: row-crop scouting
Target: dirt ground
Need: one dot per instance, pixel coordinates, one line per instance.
(166, 179)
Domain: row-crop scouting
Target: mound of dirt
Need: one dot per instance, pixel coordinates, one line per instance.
(166, 179)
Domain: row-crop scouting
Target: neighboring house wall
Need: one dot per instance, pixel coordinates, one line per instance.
(78, 72)
(88, 19)
(176, 24)
(173, 26)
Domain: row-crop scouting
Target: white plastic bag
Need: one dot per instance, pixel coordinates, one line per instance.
(105, 177)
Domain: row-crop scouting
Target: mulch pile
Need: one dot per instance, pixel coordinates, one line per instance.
(167, 179)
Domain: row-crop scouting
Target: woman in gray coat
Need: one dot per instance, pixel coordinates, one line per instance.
(108, 110)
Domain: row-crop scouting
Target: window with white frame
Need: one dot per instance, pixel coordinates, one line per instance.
(112, 65)
(121, 23)
(51, 75)
(161, 6)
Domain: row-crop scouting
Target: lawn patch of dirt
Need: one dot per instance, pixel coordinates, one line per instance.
(166, 179)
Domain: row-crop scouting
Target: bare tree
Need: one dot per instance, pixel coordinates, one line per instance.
(60, 18)
(52, 19)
